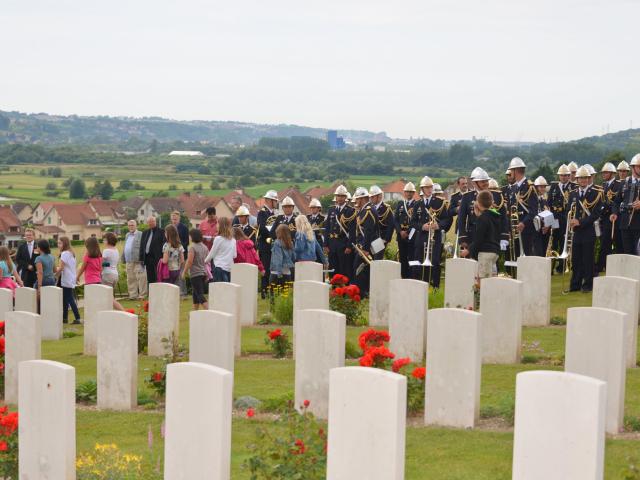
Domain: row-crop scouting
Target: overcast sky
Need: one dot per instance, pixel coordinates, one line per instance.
(501, 69)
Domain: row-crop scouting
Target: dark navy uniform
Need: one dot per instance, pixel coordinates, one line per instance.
(265, 217)
(454, 203)
(557, 201)
(406, 246)
(467, 217)
(541, 239)
(424, 211)
(367, 229)
(524, 198)
(588, 210)
(248, 230)
(337, 242)
(387, 225)
(317, 223)
(290, 221)
(628, 221)
(609, 190)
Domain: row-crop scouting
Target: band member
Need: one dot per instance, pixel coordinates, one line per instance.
(340, 227)
(438, 192)
(404, 210)
(430, 217)
(385, 217)
(541, 236)
(610, 187)
(623, 170)
(462, 186)
(467, 217)
(592, 173)
(265, 220)
(317, 219)
(493, 184)
(573, 168)
(508, 175)
(586, 202)
(242, 217)
(557, 200)
(367, 231)
(625, 209)
(287, 217)
(522, 197)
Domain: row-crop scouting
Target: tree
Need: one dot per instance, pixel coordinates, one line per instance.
(153, 146)
(77, 189)
(51, 186)
(545, 171)
(214, 185)
(56, 172)
(125, 185)
(107, 190)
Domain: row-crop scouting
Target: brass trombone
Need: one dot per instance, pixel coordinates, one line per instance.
(515, 235)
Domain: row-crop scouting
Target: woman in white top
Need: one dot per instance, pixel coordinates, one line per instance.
(223, 251)
(67, 272)
(110, 261)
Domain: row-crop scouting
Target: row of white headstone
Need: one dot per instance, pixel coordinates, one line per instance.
(559, 423)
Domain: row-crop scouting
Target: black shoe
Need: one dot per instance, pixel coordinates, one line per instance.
(574, 289)
(77, 322)
(586, 290)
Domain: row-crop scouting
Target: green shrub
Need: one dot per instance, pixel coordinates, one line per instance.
(351, 351)
(529, 358)
(278, 404)
(558, 321)
(505, 409)
(631, 423)
(87, 392)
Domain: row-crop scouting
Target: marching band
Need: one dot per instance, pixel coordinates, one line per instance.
(565, 220)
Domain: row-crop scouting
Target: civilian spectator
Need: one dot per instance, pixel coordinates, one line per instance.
(151, 244)
(183, 233)
(173, 254)
(283, 257)
(45, 264)
(223, 252)
(136, 276)
(307, 247)
(110, 261)
(67, 271)
(7, 269)
(246, 250)
(197, 269)
(25, 258)
(209, 227)
(91, 262)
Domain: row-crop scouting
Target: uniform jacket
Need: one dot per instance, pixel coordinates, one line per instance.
(283, 220)
(334, 236)
(265, 215)
(525, 198)
(402, 217)
(367, 227)
(610, 191)
(386, 220)
(622, 204)
(467, 216)
(588, 210)
(317, 223)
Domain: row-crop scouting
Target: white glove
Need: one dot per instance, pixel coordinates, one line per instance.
(504, 244)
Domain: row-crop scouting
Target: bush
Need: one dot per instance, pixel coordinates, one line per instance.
(345, 298)
(631, 423)
(87, 392)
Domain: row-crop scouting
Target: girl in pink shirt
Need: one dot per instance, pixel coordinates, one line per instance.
(91, 262)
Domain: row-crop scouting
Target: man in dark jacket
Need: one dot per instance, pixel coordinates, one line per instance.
(485, 246)
(25, 258)
(151, 248)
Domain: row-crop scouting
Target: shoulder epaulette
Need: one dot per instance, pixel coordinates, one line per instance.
(468, 192)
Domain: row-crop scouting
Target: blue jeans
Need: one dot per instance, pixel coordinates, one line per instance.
(68, 300)
(220, 275)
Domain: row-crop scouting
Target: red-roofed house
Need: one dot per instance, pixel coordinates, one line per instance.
(395, 191)
(77, 221)
(41, 210)
(10, 227)
(109, 212)
(24, 211)
(194, 206)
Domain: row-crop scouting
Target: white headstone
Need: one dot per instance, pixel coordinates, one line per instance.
(408, 307)
(164, 317)
(382, 272)
(309, 271)
(621, 265)
(51, 303)
(97, 298)
(459, 279)
(321, 342)
(225, 297)
(454, 362)
(357, 446)
(198, 422)
(308, 294)
(23, 334)
(535, 273)
(117, 360)
(559, 426)
(26, 300)
(47, 427)
(211, 338)
(622, 294)
(246, 275)
(6, 302)
(502, 311)
(596, 348)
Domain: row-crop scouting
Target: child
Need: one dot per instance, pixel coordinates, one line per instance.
(91, 262)
(223, 252)
(173, 254)
(307, 247)
(197, 269)
(67, 272)
(486, 242)
(45, 265)
(246, 250)
(283, 257)
(7, 269)
(110, 260)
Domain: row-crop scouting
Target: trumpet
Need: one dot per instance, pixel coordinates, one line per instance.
(514, 218)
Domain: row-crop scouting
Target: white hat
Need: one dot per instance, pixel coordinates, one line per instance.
(540, 182)
(242, 211)
(635, 160)
(272, 194)
(287, 202)
(592, 171)
(360, 192)
(563, 170)
(341, 190)
(608, 167)
(573, 167)
(409, 187)
(583, 172)
(516, 162)
(507, 172)
(426, 182)
(375, 190)
(493, 183)
(437, 188)
(315, 203)
(479, 174)
(624, 166)
(349, 198)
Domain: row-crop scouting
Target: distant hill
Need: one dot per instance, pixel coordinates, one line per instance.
(42, 128)
(624, 139)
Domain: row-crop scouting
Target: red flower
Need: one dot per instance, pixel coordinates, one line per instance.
(372, 338)
(1, 328)
(251, 413)
(3, 446)
(157, 377)
(339, 279)
(340, 291)
(356, 298)
(399, 363)
(301, 448)
(354, 289)
(419, 373)
(306, 403)
(130, 310)
(145, 306)
(2, 345)
(366, 361)
(274, 334)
